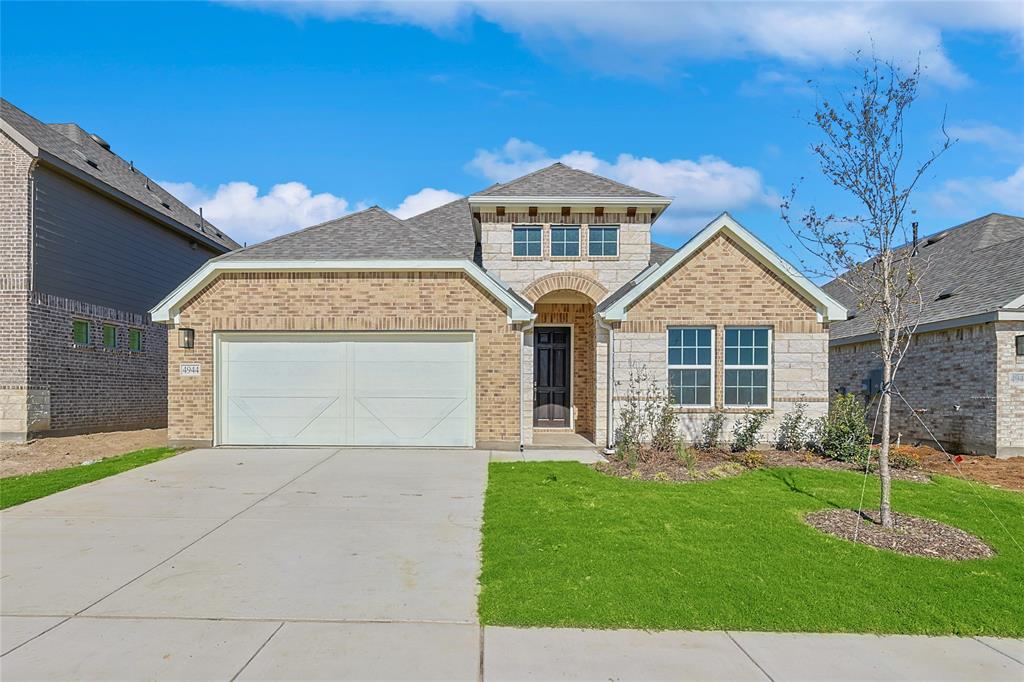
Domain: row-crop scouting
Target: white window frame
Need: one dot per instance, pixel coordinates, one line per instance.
(528, 226)
(579, 239)
(726, 367)
(710, 366)
(618, 240)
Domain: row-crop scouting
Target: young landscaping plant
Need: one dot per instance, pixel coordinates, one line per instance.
(746, 430)
(861, 152)
(647, 419)
(711, 432)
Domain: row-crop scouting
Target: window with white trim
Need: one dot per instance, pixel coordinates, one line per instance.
(691, 366)
(603, 241)
(747, 366)
(526, 240)
(565, 241)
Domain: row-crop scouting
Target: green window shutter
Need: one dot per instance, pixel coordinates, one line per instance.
(109, 335)
(134, 339)
(80, 332)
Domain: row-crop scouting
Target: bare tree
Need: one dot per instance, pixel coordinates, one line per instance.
(860, 151)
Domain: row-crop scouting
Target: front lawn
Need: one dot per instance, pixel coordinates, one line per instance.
(19, 489)
(564, 545)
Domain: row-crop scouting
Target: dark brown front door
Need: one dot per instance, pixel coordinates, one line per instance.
(551, 377)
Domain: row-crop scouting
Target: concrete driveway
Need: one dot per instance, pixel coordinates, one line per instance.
(187, 567)
(346, 564)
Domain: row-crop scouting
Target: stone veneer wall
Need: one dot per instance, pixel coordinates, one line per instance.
(372, 301)
(949, 376)
(611, 271)
(15, 282)
(1009, 390)
(721, 286)
(581, 317)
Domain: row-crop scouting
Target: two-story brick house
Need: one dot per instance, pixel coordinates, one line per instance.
(88, 244)
(519, 309)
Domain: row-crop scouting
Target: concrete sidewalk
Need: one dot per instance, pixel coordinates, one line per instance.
(160, 648)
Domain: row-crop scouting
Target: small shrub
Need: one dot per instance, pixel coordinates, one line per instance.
(661, 476)
(746, 430)
(711, 432)
(795, 430)
(845, 435)
(688, 457)
(646, 420)
(726, 470)
(751, 459)
(900, 458)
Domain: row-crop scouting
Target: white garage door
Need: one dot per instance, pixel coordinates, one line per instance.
(345, 389)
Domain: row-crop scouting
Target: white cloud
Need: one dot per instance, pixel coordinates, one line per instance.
(250, 217)
(977, 196)
(702, 188)
(647, 38)
(424, 200)
(989, 135)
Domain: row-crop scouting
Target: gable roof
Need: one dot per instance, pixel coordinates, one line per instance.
(559, 181)
(980, 263)
(616, 306)
(373, 233)
(71, 149)
(660, 253)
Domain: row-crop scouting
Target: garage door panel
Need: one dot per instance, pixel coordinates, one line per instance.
(347, 390)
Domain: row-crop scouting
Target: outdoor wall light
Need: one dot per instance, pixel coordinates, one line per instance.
(186, 338)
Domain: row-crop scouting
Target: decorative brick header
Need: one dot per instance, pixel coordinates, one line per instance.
(572, 281)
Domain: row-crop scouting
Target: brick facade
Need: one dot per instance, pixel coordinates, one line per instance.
(372, 301)
(580, 316)
(960, 381)
(15, 254)
(721, 286)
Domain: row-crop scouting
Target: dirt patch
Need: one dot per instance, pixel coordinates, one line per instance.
(1001, 473)
(708, 466)
(44, 454)
(911, 535)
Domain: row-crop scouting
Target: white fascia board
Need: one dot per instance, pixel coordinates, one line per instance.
(829, 309)
(167, 310)
(569, 200)
(939, 325)
(20, 139)
(1016, 303)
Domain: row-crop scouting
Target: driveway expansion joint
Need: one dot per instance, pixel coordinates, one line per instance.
(747, 654)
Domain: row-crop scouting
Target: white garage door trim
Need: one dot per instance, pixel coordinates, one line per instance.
(220, 367)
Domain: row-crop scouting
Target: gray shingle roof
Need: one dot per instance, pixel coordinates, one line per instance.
(558, 180)
(73, 146)
(660, 253)
(372, 234)
(984, 256)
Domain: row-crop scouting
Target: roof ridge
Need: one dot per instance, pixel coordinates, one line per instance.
(611, 180)
(522, 177)
(300, 231)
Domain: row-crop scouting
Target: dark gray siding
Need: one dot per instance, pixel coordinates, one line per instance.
(89, 248)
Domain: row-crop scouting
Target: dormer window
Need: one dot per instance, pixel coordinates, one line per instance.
(603, 241)
(565, 241)
(526, 240)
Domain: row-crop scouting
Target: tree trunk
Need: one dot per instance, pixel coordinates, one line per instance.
(883, 451)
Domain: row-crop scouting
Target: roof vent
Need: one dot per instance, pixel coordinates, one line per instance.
(935, 238)
(85, 158)
(100, 141)
(950, 292)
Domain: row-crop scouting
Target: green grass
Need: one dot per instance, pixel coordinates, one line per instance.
(566, 546)
(20, 489)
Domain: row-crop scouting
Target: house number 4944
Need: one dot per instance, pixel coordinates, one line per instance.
(190, 370)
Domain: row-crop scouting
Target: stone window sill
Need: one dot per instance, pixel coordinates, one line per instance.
(535, 258)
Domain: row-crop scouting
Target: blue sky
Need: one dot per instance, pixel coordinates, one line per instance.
(275, 116)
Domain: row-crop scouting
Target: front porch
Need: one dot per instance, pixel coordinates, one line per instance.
(561, 406)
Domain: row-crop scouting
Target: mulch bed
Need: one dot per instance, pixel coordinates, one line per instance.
(715, 464)
(912, 535)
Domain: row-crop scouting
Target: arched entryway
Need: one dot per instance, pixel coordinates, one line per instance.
(564, 363)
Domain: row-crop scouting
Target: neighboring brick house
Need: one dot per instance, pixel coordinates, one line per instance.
(87, 245)
(488, 321)
(964, 372)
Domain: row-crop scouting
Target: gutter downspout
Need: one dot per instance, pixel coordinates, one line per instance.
(610, 429)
